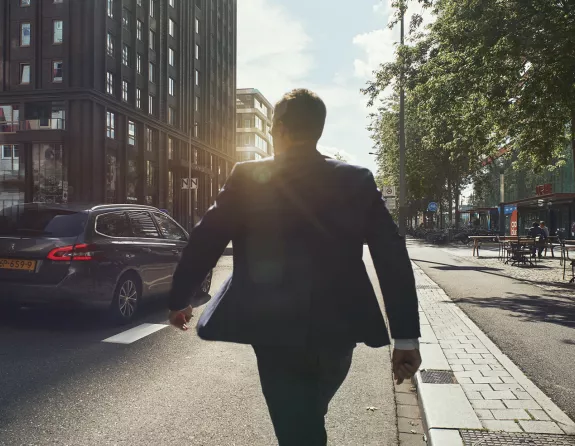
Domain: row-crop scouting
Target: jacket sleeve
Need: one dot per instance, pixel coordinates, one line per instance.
(393, 267)
(207, 242)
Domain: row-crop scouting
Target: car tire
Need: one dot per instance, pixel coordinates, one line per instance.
(126, 300)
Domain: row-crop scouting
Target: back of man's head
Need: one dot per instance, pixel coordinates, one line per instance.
(302, 115)
(535, 224)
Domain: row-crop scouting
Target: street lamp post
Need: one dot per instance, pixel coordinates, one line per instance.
(402, 181)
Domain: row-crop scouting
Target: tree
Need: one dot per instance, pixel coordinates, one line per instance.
(338, 156)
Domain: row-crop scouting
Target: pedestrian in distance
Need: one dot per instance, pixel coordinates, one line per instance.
(299, 292)
(539, 236)
(545, 229)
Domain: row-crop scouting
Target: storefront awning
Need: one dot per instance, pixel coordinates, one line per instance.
(541, 200)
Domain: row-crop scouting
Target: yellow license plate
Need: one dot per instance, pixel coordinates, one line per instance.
(17, 264)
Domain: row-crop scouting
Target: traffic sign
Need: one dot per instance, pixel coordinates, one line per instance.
(389, 191)
(186, 183)
(391, 204)
(432, 207)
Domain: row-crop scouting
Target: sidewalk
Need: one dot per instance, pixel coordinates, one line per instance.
(470, 393)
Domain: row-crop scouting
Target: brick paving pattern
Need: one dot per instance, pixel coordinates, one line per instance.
(499, 401)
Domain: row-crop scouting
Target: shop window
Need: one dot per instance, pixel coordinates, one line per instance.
(132, 177)
(112, 171)
(49, 174)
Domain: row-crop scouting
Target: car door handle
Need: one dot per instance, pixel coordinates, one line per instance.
(147, 249)
(176, 251)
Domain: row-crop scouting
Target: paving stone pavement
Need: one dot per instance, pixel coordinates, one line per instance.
(501, 396)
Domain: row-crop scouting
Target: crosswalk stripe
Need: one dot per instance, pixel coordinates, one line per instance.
(133, 334)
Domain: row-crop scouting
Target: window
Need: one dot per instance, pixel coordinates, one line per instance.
(126, 55)
(125, 90)
(169, 228)
(25, 34)
(142, 225)
(150, 173)
(9, 152)
(197, 78)
(139, 27)
(139, 2)
(152, 7)
(149, 139)
(172, 28)
(197, 103)
(25, 73)
(58, 32)
(110, 45)
(57, 71)
(173, 3)
(25, 2)
(109, 83)
(138, 98)
(172, 57)
(126, 18)
(171, 116)
(172, 87)
(110, 125)
(151, 104)
(110, 8)
(196, 129)
(151, 69)
(197, 26)
(197, 51)
(139, 63)
(131, 133)
(114, 224)
(170, 149)
(58, 1)
(152, 40)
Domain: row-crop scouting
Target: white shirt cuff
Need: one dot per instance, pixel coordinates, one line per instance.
(406, 344)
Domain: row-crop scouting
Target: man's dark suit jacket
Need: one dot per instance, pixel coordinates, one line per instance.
(298, 223)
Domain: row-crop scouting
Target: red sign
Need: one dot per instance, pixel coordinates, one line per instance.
(545, 189)
(513, 223)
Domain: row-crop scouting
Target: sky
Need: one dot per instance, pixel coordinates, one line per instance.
(329, 46)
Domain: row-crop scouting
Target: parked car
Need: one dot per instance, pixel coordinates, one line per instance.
(111, 257)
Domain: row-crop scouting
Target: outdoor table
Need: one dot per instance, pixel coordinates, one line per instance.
(521, 251)
(477, 240)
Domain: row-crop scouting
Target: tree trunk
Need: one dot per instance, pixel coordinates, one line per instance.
(573, 134)
(457, 197)
(450, 200)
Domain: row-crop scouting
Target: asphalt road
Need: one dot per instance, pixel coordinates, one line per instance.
(534, 327)
(61, 385)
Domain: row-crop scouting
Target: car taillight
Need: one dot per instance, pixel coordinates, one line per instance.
(80, 252)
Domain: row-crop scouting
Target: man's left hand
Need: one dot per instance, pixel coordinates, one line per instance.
(405, 364)
(180, 319)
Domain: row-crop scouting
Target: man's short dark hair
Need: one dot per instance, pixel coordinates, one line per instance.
(535, 224)
(303, 113)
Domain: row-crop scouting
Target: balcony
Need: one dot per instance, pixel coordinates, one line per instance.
(9, 127)
(43, 124)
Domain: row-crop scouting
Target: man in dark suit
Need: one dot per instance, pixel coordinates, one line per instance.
(300, 292)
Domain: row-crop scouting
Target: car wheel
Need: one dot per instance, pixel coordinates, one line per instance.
(207, 283)
(126, 299)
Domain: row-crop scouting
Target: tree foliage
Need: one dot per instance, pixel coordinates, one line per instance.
(485, 74)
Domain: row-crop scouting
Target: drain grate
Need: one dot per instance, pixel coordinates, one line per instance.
(479, 438)
(438, 377)
(427, 287)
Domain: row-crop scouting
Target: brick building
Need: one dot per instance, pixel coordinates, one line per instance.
(109, 100)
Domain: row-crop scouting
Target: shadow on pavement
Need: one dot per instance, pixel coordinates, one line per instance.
(531, 308)
(494, 271)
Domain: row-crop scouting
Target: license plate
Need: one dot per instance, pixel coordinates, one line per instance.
(16, 264)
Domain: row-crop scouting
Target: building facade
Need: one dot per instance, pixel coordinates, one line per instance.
(253, 125)
(113, 100)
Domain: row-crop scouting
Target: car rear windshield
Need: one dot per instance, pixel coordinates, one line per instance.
(25, 220)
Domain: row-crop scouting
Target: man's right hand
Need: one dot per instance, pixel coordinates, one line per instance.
(405, 364)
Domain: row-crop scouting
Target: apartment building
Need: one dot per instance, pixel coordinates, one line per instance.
(254, 115)
(113, 100)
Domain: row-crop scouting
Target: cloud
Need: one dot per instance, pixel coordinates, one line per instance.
(378, 46)
(332, 151)
(273, 48)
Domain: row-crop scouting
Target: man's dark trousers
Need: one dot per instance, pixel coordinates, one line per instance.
(298, 385)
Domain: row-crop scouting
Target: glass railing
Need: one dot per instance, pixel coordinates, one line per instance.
(43, 124)
(9, 126)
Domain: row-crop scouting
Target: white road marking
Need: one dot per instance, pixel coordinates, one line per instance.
(133, 334)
